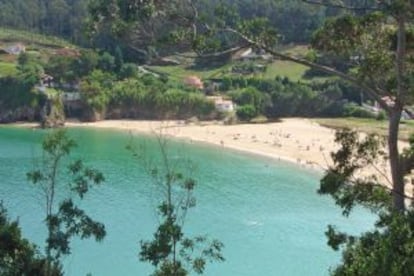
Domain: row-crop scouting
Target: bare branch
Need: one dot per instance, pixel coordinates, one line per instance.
(382, 173)
(374, 93)
(341, 6)
(215, 54)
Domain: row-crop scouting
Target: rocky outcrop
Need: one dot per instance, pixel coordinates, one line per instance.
(92, 115)
(53, 114)
(24, 113)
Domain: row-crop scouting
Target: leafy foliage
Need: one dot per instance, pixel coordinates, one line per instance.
(66, 220)
(17, 255)
(386, 250)
(150, 97)
(18, 91)
(170, 251)
(62, 18)
(342, 181)
(246, 112)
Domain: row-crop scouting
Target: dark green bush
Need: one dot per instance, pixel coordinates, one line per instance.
(381, 116)
(354, 110)
(128, 70)
(246, 112)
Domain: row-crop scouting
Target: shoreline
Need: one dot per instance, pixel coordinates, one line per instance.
(297, 141)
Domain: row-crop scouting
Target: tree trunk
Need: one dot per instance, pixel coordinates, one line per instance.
(397, 171)
(395, 162)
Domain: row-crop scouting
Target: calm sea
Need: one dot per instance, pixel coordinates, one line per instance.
(267, 213)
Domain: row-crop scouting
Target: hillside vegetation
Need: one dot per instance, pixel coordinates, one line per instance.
(8, 35)
(272, 68)
(42, 47)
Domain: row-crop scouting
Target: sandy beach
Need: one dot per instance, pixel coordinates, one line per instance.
(297, 140)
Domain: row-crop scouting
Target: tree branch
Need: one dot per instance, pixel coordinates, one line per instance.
(215, 54)
(374, 93)
(340, 6)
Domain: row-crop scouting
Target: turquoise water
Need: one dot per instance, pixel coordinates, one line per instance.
(267, 213)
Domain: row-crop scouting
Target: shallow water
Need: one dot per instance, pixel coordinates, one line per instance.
(267, 213)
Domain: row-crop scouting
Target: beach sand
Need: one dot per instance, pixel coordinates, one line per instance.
(297, 140)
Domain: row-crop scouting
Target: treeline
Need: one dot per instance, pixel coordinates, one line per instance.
(142, 96)
(108, 88)
(294, 20)
(111, 88)
(283, 98)
(63, 18)
(18, 98)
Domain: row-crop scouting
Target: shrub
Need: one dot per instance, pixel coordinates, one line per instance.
(246, 112)
(128, 70)
(354, 110)
(249, 96)
(381, 116)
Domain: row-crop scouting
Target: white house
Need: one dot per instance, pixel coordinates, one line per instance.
(221, 104)
(15, 49)
(71, 96)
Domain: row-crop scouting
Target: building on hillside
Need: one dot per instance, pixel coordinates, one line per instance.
(251, 54)
(46, 80)
(69, 86)
(15, 49)
(71, 96)
(211, 87)
(194, 81)
(221, 104)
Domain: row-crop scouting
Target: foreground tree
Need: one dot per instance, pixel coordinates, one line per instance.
(64, 220)
(378, 47)
(388, 249)
(170, 251)
(17, 255)
(373, 37)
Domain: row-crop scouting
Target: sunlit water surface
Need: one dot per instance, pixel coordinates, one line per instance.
(267, 213)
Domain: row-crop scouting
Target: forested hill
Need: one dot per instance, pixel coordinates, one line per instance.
(63, 18)
(66, 18)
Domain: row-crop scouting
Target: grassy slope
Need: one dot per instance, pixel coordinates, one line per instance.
(7, 69)
(30, 38)
(179, 72)
(293, 71)
(367, 125)
(283, 68)
(280, 68)
(36, 44)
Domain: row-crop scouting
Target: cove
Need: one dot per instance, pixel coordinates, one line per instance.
(267, 213)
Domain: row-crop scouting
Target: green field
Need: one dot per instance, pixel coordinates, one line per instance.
(37, 45)
(291, 70)
(180, 72)
(30, 38)
(7, 69)
(281, 68)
